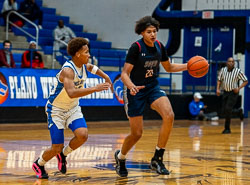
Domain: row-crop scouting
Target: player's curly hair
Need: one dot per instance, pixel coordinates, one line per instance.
(145, 22)
(75, 45)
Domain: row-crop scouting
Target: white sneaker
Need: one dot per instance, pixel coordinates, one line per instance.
(214, 123)
(40, 27)
(215, 118)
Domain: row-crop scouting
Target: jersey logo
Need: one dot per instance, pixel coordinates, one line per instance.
(149, 73)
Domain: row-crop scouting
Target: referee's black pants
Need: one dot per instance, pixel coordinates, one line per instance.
(229, 99)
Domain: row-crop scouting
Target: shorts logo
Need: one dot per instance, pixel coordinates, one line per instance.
(163, 92)
(4, 90)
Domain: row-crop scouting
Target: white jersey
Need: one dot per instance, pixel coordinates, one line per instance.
(59, 97)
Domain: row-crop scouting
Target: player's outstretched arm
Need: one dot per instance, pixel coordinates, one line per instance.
(67, 78)
(169, 67)
(95, 70)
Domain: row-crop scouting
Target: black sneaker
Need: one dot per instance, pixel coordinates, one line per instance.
(120, 167)
(159, 167)
(39, 170)
(226, 131)
(62, 163)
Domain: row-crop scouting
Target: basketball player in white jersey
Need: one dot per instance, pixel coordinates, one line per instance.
(63, 110)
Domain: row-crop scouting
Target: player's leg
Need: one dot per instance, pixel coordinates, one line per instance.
(79, 128)
(57, 137)
(164, 108)
(225, 96)
(162, 105)
(134, 107)
(229, 104)
(136, 129)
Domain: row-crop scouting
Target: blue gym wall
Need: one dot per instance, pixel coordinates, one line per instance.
(216, 45)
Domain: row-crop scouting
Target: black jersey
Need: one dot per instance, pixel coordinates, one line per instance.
(146, 61)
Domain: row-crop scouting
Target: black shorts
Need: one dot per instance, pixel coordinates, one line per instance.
(135, 105)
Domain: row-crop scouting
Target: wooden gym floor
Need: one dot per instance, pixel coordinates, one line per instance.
(197, 153)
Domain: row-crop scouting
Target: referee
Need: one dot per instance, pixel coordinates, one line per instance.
(228, 80)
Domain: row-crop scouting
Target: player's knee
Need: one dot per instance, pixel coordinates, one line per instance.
(83, 136)
(136, 135)
(169, 115)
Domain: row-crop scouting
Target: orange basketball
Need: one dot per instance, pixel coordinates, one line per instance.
(197, 66)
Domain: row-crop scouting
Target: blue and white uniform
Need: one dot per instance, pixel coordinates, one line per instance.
(62, 111)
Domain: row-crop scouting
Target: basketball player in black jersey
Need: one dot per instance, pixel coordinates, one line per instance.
(139, 75)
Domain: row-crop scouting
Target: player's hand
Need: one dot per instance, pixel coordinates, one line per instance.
(135, 89)
(102, 86)
(107, 80)
(218, 92)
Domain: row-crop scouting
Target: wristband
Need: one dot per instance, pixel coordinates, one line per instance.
(94, 69)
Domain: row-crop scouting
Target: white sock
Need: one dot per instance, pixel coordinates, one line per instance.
(157, 148)
(121, 156)
(67, 150)
(41, 161)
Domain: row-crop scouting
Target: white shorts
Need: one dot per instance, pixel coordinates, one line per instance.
(61, 117)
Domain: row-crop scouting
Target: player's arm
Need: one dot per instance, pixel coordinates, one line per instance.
(95, 70)
(218, 88)
(169, 67)
(237, 90)
(67, 78)
(219, 81)
(127, 81)
(242, 77)
(243, 84)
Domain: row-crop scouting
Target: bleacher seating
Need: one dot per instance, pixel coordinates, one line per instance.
(164, 82)
(18, 59)
(104, 61)
(48, 10)
(100, 49)
(55, 18)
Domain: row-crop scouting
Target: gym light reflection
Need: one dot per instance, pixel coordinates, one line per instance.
(83, 156)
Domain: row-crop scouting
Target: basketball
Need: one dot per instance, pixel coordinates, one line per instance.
(197, 66)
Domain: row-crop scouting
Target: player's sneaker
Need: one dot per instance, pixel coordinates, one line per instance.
(226, 131)
(62, 163)
(120, 167)
(39, 170)
(159, 167)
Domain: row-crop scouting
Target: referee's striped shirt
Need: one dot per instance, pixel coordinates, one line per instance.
(230, 79)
